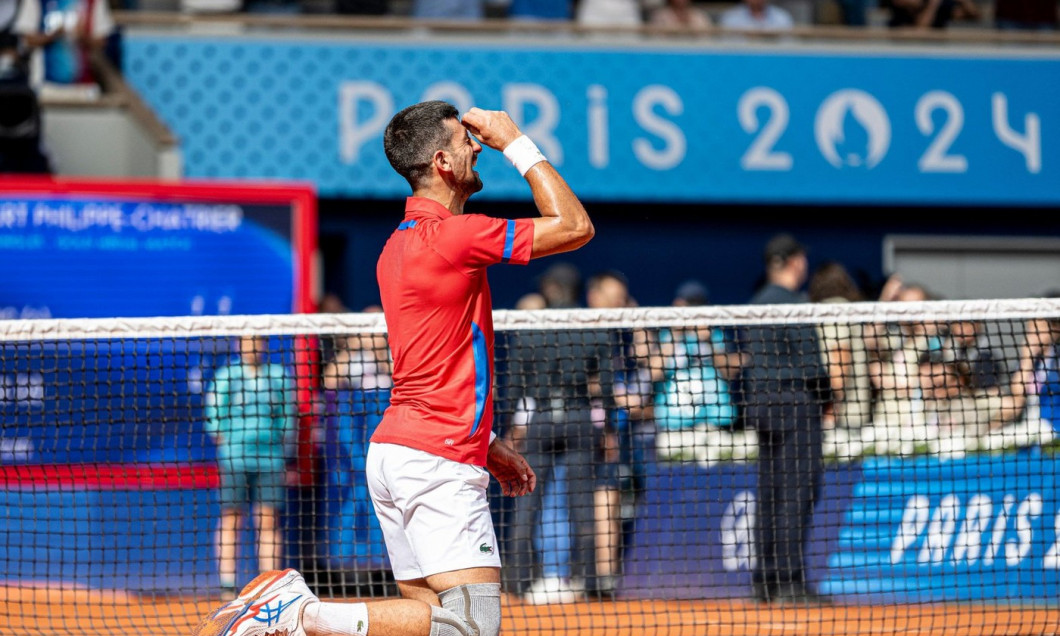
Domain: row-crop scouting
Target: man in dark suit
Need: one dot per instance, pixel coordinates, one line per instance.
(553, 380)
(783, 397)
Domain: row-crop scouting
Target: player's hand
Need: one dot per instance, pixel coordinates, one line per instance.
(493, 128)
(510, 469)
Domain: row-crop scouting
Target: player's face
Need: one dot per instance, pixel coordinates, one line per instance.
(465, 155)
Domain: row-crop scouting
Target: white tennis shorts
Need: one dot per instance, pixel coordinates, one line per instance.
(433, 512)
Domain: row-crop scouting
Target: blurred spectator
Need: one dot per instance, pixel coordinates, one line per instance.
(898, 423)
(756, 15)
(847, 361)
(20, 114)
(925, 334)
(969, 348)
(913, 293)
(629, 428)
(357, 381)
(360, 361)
(332, 303)
(891, 288)
(362, 7)
(691, 293)
(854, 12)
(1026, 15)
(680, 13)
(12, 61)
(607, 290)
(1047, 373)
(831, 282)
(964, 418)
(556, 383)
(539, 9)
(623, 13)
(784, 383)
(924, 14)
(929, 376)
(637, 370)
(561, 286)
(531, 301)
(449, 9)
(250, 414)
(63, 35)
(694, 406)
(211, 6)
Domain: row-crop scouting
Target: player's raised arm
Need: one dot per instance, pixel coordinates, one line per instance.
(564, 225)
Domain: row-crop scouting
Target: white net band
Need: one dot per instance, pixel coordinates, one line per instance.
(507, 320)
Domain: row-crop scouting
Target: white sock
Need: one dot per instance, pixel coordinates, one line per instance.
(337, 619)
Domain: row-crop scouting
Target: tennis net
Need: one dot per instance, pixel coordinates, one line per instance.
(829, 468)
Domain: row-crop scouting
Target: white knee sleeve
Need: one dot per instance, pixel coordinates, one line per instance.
(477, 606)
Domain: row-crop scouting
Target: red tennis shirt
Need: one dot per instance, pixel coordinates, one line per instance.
(439, 319)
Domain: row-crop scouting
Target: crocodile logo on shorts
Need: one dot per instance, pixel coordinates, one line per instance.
(360, 627)
(485, 548)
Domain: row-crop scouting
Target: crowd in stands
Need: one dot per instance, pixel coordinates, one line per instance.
(46, 48)
(45, 23)
(773, 15)
(680, 14)
(67, 29)
(919, 387)
(940, 387)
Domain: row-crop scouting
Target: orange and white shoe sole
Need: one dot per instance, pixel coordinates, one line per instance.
(224, 619)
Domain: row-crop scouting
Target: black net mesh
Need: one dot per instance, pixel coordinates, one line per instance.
(810, 469)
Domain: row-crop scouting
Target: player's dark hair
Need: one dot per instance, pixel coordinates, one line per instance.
(413, 136)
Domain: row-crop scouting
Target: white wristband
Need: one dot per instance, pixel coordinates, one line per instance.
(523, 154)
(493, 436)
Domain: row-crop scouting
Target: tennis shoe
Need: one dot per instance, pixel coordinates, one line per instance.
(552, 590)
(270, 605)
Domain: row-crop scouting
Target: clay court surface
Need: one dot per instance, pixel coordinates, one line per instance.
(46, 612)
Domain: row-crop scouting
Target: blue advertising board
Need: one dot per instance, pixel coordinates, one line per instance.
(643, 123)
(924, 530)
(889, 530)
(84, 249)
(107, 401)
(105, 249)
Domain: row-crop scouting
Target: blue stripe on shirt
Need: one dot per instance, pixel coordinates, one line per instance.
(407, 224)
(509, 241)
(482, 374)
